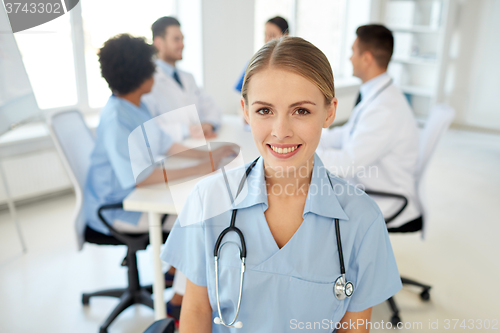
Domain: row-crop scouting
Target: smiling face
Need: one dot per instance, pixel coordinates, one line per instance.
(170, 46)
(286, 113)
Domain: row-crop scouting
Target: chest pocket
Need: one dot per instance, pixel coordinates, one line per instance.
(314, 302)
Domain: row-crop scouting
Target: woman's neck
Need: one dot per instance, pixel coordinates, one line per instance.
(289, 181)
(133, 97)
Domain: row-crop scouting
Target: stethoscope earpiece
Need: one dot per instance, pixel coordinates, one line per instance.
(237, 324)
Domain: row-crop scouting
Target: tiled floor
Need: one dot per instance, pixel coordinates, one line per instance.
(41, 291)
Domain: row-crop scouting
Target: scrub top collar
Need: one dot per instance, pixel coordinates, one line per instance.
(129, 107)
(321, 198)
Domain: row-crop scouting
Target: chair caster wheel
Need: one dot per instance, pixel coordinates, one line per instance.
(425, 296)
(85, 299)
(395, 320)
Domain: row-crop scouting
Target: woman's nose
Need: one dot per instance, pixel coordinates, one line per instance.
(282, 128)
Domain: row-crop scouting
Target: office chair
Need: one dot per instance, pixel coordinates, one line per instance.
(74, 143)
(162, 326)
(439, 120)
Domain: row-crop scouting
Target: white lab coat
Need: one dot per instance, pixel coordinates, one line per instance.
(378, 151)
(166, 95)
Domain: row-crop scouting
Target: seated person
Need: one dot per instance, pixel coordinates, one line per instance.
(275, 27)
(175, 88)
(127, 66)
(377, 148)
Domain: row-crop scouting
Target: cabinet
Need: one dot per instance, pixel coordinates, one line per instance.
(422, 33)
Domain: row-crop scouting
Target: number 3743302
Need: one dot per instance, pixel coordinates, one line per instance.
(32, 8)
(472, 324)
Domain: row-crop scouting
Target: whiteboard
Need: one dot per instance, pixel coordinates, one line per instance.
(17, 101)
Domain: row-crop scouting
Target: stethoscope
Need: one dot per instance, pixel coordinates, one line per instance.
(342, 288)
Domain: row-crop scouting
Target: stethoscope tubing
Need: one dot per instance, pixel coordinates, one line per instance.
(340, 283)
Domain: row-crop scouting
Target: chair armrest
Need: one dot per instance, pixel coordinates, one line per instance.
(118, 235)
(162, 326)
(390, 195)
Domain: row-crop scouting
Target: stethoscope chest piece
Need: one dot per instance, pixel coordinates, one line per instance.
(343, 289)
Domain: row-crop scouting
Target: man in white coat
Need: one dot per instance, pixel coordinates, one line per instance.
(175, 88)
(377, 148)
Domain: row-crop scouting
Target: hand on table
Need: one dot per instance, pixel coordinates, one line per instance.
(206, 130)
(221, 153)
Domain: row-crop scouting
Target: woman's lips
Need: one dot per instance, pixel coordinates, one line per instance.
(282, 150)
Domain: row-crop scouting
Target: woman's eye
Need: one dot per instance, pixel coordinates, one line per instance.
(301, 111)
(263, 111)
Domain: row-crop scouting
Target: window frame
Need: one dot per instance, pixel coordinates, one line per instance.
(80, 67)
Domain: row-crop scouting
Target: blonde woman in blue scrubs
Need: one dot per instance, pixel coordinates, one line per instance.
(287, 217)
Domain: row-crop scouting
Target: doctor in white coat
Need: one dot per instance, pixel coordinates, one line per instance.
(175, 88)
(377, 148)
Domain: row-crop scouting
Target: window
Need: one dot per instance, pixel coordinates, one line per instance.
(53, 53)
(105, 19)
(47, 52)
(321, 22)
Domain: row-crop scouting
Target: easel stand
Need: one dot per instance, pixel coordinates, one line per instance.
(12, 208)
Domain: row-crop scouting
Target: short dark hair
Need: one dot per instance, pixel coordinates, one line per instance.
(280, 23)
(160, 26)
(126, 62)
(378, 40)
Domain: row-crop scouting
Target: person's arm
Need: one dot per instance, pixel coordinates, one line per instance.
(361, 318)
(196, 312)
(158, 175)
(185, 151)
(332, 138)
(374, 134)
(204, 168)
(206, 130)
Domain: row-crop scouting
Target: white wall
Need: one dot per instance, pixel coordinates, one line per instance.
(474, 73)
(483, 108)
(189, 15)
(228, 38)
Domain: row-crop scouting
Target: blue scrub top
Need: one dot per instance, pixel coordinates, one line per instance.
(239, 84)
(285, 287)
(110, 178)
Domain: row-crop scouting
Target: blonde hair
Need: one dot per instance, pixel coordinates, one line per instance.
(296, 55)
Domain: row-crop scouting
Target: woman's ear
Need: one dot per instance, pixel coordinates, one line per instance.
(245, 110)
(331, 111)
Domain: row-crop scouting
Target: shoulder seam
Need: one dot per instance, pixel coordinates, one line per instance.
(366, 232)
